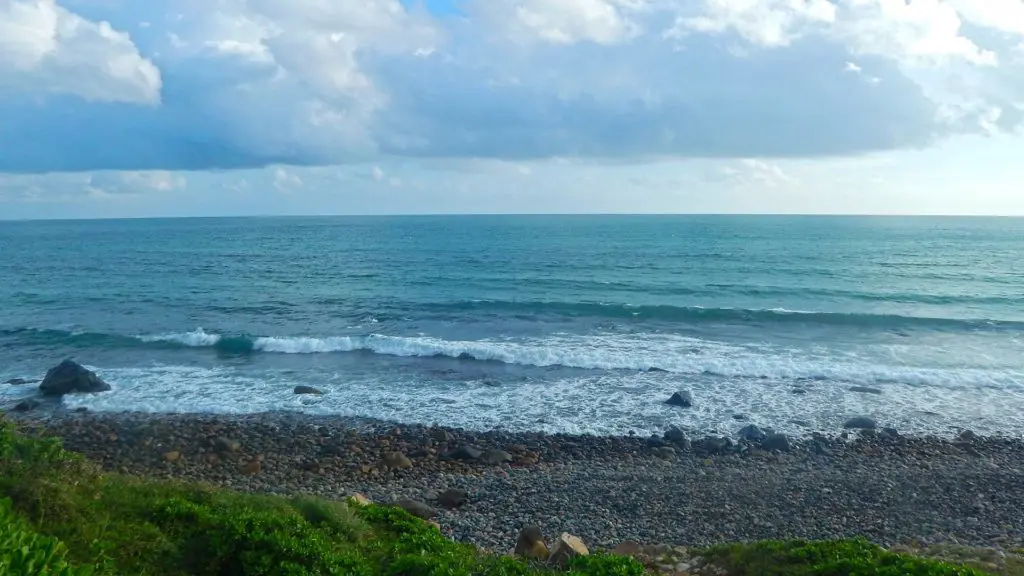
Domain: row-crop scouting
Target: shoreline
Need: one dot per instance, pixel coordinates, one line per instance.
(891, 489)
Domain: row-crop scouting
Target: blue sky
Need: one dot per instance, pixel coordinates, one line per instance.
(114, 108)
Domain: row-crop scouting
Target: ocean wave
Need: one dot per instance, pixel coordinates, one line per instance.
(700, 314)
(684, 356)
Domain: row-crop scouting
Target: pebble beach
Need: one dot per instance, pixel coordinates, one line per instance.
(484, 487)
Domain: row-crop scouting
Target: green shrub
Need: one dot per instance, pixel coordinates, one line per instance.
(606, 565)
(336, 517)
(25, 553)
(853, 557)
(237, 539)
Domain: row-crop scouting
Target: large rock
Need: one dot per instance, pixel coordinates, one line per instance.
(682, 398)
(566, 548)
(68, 377)
(860, 422)
(27, 405)
(308, 390)
(778, 442)
(531, 544)
(865, 390)
(452, 498)
(713, 445)
(440, 435)
(397, 461)
(18, 381)
(495, 457)
(675, 435)
(752, 433)
(417, 508)
(466, 453)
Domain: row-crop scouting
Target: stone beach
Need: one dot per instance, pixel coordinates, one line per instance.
(485, 487)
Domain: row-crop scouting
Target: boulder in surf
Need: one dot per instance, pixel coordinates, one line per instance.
(682, 398)
(70, 377)
(860, 423)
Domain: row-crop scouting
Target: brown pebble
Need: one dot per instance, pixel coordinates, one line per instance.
(172, 456)
(252, 467)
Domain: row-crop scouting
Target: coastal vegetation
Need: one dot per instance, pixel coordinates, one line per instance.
(61, 515)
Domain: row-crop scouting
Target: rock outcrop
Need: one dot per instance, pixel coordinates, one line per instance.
(682, 398)
(70, 377)
(566, 548)
(531, 544)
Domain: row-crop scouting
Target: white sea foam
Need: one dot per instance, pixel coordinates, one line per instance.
(869, 365)
(196, 338)
(602, 403)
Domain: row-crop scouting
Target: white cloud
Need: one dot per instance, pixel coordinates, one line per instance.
(159, 180)
(769, 174)
(47, 49)
(909, 31)
(566, 21)
(852, 67)
(918, 32)
(1004, 15)
(285, 180)
(771, 23)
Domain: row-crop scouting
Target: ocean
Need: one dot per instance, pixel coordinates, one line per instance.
(577, 324)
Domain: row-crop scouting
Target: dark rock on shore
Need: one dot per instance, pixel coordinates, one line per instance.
(967, 436)
(530, 544)
(465, 452)
(68, 377)
(752, 433)
(682, 398)
(495, 457)
(417, 508)
(308, 390)
(27, 405)
(656, 369)
(452, 498)
(713, 445)
(778, 442)
(675, 435)
(860, 422)
(865, 390)
(18, 381)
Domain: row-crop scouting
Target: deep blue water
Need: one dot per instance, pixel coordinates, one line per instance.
(532, 322)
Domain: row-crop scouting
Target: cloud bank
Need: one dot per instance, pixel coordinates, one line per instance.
(230, 84)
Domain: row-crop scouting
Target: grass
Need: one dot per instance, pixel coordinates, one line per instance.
(60, 515)
(853, 557)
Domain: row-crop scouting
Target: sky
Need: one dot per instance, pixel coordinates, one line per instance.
(129, 108)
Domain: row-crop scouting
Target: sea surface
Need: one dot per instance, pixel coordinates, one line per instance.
(581, 324)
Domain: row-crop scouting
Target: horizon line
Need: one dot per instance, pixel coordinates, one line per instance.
(516, 214)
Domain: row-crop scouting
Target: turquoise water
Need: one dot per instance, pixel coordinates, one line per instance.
(546, 322)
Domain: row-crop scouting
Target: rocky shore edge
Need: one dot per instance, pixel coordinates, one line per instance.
(678, 488)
